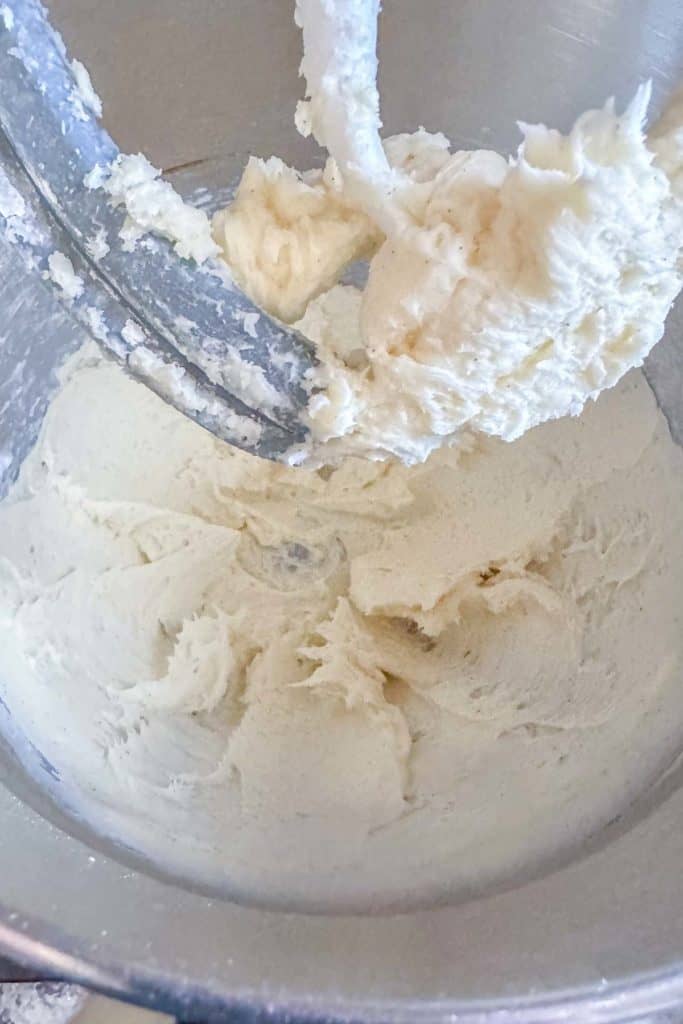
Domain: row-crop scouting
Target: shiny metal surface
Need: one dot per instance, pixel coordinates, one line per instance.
(600, 936)
(188, 319)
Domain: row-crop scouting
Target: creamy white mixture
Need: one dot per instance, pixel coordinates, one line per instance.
(502, 292)
(375, 684)
(371, 685)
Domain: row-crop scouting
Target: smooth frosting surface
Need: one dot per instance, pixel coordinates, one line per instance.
(364, 686)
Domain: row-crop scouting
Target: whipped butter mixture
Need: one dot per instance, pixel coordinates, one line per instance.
(354, 687)
(375, 682)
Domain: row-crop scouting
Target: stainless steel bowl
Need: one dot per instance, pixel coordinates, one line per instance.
(199, 84)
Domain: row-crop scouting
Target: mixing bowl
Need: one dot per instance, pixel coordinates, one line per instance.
(198, 85)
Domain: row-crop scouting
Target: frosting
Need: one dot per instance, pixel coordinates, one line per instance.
(367, 685)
